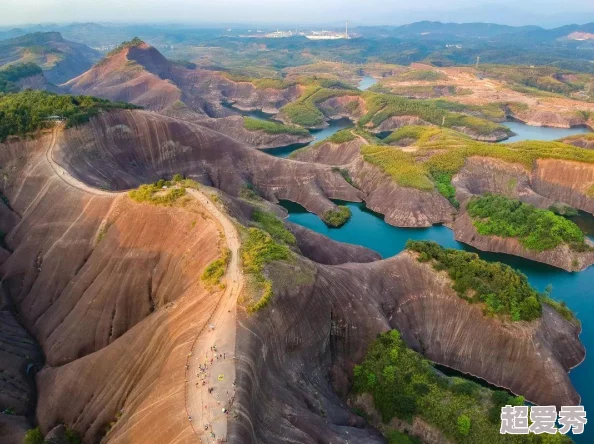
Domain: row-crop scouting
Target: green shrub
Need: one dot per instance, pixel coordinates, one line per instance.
(273, 226)
(502, 290)
(536, 229)
(257, 250)
(443, 184)
(590, 191)
(33, 436)
(128, 44)
(72, 437)
(337, 218)
(397, 437)
(273, 127)
(463, 425)
(215, 271)
(155, 195)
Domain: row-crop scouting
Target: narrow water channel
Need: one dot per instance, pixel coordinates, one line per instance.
(368, 229)
(527, 132)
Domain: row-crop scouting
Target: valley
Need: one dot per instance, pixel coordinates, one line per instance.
(192, 253)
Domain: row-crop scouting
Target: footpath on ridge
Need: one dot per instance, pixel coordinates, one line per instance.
(210, 373)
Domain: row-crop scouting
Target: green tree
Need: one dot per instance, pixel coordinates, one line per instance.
(463, 425)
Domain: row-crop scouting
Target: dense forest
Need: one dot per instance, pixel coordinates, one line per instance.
(405, 385)
(536, 229)
(502, 290)
(26, 112)
(10, 75)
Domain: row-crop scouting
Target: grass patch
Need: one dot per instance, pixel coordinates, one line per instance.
(536, 229)
(342, 136)
(273, 127)
(502, 290)
(561, 308)
(337, 218)
(257, 250)
(215, 271)
(400, 166)
(442, 150)
(420, 75)
(412, 132)
(273, 226)
(404, 385)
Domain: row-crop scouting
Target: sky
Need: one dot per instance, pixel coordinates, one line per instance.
(364, 12)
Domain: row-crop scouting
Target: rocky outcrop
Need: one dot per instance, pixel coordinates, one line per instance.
(350, 107)
(234, 128)
(329, 153)
(564, 181)
(13, 428)
(561, 257)
(550, 181)
(38, 82)
(122, 150)
(127, 76)
(111, 290)
(495, 136)
(141, 75)
(581, 141)
(402, 206)
(307, 341)
(323, 250)
(60, 59)
(395, 122)
(554, 119)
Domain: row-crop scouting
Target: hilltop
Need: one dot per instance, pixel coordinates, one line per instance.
(60, 59)
(130, 296)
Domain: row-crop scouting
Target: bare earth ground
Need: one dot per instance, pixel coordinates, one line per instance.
(205, 369)
(485, 91)
(205, 409)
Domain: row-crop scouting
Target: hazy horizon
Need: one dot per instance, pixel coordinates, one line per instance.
(548, 13)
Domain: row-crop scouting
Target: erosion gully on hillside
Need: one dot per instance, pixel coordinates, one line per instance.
(118, 320)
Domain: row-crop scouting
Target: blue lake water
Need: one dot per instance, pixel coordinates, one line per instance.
(321, 134)
(366, 83)
(527, 132)
(368, 229)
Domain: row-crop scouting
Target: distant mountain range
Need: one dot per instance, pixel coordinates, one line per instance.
(438, 31)
(99, 35)
(60, 59)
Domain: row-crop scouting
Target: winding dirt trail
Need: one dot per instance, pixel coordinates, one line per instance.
(210, 374)
(215, 368)
(65, 175)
